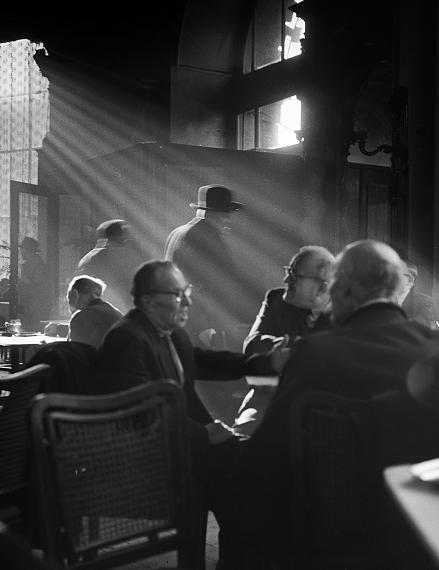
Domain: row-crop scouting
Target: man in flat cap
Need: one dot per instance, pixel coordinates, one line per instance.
(201, 252)
(114, 260)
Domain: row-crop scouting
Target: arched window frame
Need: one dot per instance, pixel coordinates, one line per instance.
(255, 123)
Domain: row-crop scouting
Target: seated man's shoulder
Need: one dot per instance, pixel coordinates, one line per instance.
(275, 295)
(120, 335)
(105, 307)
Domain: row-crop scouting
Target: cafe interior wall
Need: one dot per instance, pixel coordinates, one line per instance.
(107, 79)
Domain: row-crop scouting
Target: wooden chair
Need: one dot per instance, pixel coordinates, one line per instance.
(336, 482)
(113, 476)
(16, 393)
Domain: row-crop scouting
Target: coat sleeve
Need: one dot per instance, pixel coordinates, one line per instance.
(225, 365)
(262, 332)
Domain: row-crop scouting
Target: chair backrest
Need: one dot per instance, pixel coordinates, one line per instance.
(335, 474)
(16, 393)
(73, 366)
(111, 474)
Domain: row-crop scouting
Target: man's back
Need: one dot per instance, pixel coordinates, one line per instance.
(200, 251)
(90, 324)
(368, 355)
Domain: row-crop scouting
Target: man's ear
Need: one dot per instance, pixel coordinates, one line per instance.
(73, 297)
(147, 303)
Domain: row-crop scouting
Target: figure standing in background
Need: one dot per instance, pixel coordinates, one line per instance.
(200, 251)
(416, 305)
(4, 289)
(114, 260)
(33, 286)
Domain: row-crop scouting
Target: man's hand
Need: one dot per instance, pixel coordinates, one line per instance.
(219, 432)
(51, 329)
(279, 353)
(207, 337)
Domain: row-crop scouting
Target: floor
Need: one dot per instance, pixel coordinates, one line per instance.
(170, 560)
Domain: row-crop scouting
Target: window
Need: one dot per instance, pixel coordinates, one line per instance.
(274, 35)
(24, 122)
(271, 126)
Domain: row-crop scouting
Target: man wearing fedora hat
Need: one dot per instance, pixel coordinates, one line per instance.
(201, 252)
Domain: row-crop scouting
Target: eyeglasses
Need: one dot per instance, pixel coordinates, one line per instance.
(179, 294)
(290, 273)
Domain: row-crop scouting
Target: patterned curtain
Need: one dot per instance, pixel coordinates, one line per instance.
(24, 122)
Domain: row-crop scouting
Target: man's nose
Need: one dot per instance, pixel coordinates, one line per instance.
(186, 301)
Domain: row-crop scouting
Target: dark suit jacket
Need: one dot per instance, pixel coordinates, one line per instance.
(130, 355)
(369, 354)
(90, 324)
(73, 366)
(278, 318)
(202, 254)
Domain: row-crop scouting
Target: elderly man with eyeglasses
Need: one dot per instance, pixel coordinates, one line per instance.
(286, 314)
(299, 308)
(149, 343)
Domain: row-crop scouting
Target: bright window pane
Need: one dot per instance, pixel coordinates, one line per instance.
(278, 123)
(294, 32)
(248, 126)
(268, 47)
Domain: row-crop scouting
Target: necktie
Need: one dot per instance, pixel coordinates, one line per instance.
(175, 358)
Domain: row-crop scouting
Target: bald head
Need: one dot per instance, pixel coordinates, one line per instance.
(365, 270)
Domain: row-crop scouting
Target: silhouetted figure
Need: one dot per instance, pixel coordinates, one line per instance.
(4, 289)
(199, 249)
(417, 305)
(33, 287)
(114, 259)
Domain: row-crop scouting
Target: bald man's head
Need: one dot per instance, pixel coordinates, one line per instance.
(365, 270)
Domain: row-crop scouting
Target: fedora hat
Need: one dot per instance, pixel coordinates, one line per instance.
(218, 198)
(110, 228)
(30, 244)
(423, 382)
